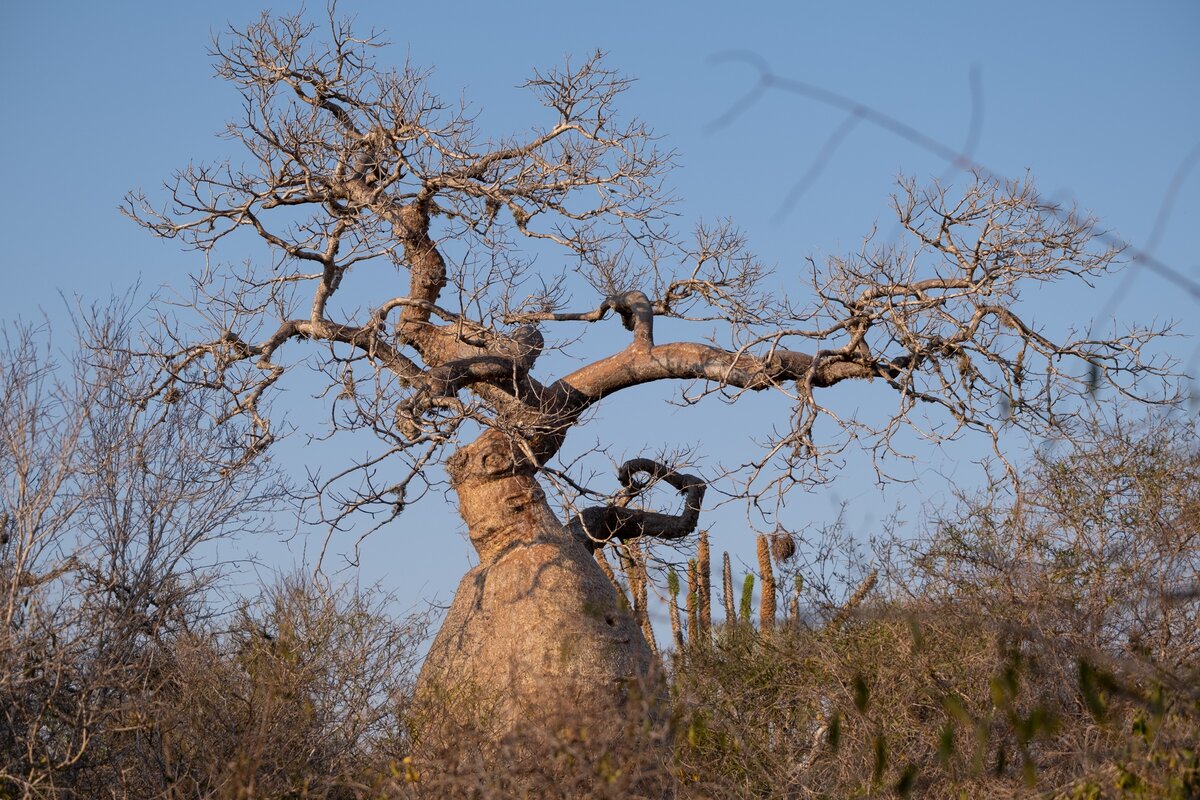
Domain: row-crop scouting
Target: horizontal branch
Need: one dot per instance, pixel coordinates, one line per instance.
(696, 361)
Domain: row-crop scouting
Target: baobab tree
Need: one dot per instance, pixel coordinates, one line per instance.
(397, 258)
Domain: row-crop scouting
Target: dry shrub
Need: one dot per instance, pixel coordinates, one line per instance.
(928, 701)
(122, 671)
(301, 697)
(306, 692)
(1046, 647)
(107, 511)
(627, 754)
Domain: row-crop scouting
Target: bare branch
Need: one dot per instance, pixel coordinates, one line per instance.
(600, 524)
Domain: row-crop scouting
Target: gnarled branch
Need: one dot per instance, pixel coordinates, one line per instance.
(600, 524)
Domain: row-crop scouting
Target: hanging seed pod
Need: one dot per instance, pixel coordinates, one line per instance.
(783, 546)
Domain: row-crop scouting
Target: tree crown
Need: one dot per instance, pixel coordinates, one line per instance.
(359, 174)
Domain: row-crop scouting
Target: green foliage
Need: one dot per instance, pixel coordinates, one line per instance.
(673, 583)
(862, 693)
(745, 607)
(907, 781)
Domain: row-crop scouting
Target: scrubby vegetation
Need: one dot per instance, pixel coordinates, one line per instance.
(449, 294)
(1043, 647)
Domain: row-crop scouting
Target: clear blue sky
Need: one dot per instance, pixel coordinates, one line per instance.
(1099, 102)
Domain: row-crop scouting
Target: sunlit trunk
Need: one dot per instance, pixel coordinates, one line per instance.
(535, 633)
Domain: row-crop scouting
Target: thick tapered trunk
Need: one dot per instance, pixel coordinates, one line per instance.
(535, 634)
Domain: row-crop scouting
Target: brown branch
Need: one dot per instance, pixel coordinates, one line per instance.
(634, 308)
(600, 524)
(696, 361)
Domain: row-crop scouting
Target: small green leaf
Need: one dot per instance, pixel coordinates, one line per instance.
(1089, 688)
(835, 732)
(908, 779)
(1041, 720)
(917, 636)
(954, 706)
(747, 604)
(1157, 701)
(862, 693)
(1029, 772)
(1127, 781)
(946, 744)
(999, 698)
(881, 757)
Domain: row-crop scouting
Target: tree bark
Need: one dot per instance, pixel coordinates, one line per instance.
(535, 635)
